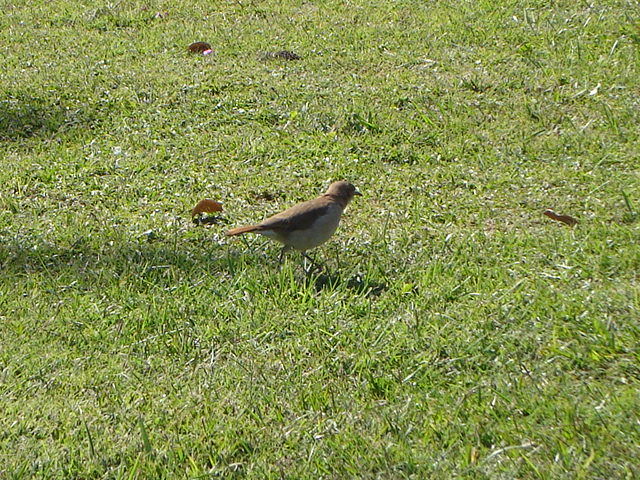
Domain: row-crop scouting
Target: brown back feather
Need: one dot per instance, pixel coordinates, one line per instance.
(300, 216)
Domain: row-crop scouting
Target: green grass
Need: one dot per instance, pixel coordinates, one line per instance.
(456, 333)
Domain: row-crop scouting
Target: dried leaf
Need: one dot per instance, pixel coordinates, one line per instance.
(206, 206)
(566, 219)
(199, 47)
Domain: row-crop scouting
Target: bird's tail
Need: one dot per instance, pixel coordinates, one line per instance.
(241, 230)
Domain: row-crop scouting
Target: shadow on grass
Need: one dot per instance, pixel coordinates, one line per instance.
(356, 283)
(25, 116)
(316, 277)
(84, 259)
(85, 264)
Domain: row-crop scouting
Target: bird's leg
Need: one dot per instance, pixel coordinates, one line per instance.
(313, 263)
(284, 250)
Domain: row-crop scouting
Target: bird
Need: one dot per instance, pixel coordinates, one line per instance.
(308, 224)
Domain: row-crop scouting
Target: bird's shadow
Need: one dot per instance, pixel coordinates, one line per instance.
(309, 273)
(356, 283)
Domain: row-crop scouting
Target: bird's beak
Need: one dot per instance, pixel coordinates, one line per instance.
(357, 193)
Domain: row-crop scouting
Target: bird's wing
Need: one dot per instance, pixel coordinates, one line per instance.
(298, 217)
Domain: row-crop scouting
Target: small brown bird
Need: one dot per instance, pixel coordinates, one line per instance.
(308, 224)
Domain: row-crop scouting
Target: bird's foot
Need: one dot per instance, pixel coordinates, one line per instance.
(314, 267)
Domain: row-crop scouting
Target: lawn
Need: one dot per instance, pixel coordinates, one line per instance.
(454, 332)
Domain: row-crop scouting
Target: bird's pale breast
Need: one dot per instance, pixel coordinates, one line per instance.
(315, 235)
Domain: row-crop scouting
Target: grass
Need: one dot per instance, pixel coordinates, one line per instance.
(456, 333)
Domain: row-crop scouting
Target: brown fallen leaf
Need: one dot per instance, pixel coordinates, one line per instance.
(566, 219)
(199, 47)
(206, 206)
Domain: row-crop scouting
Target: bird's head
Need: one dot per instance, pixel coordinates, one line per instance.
(342, 190)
